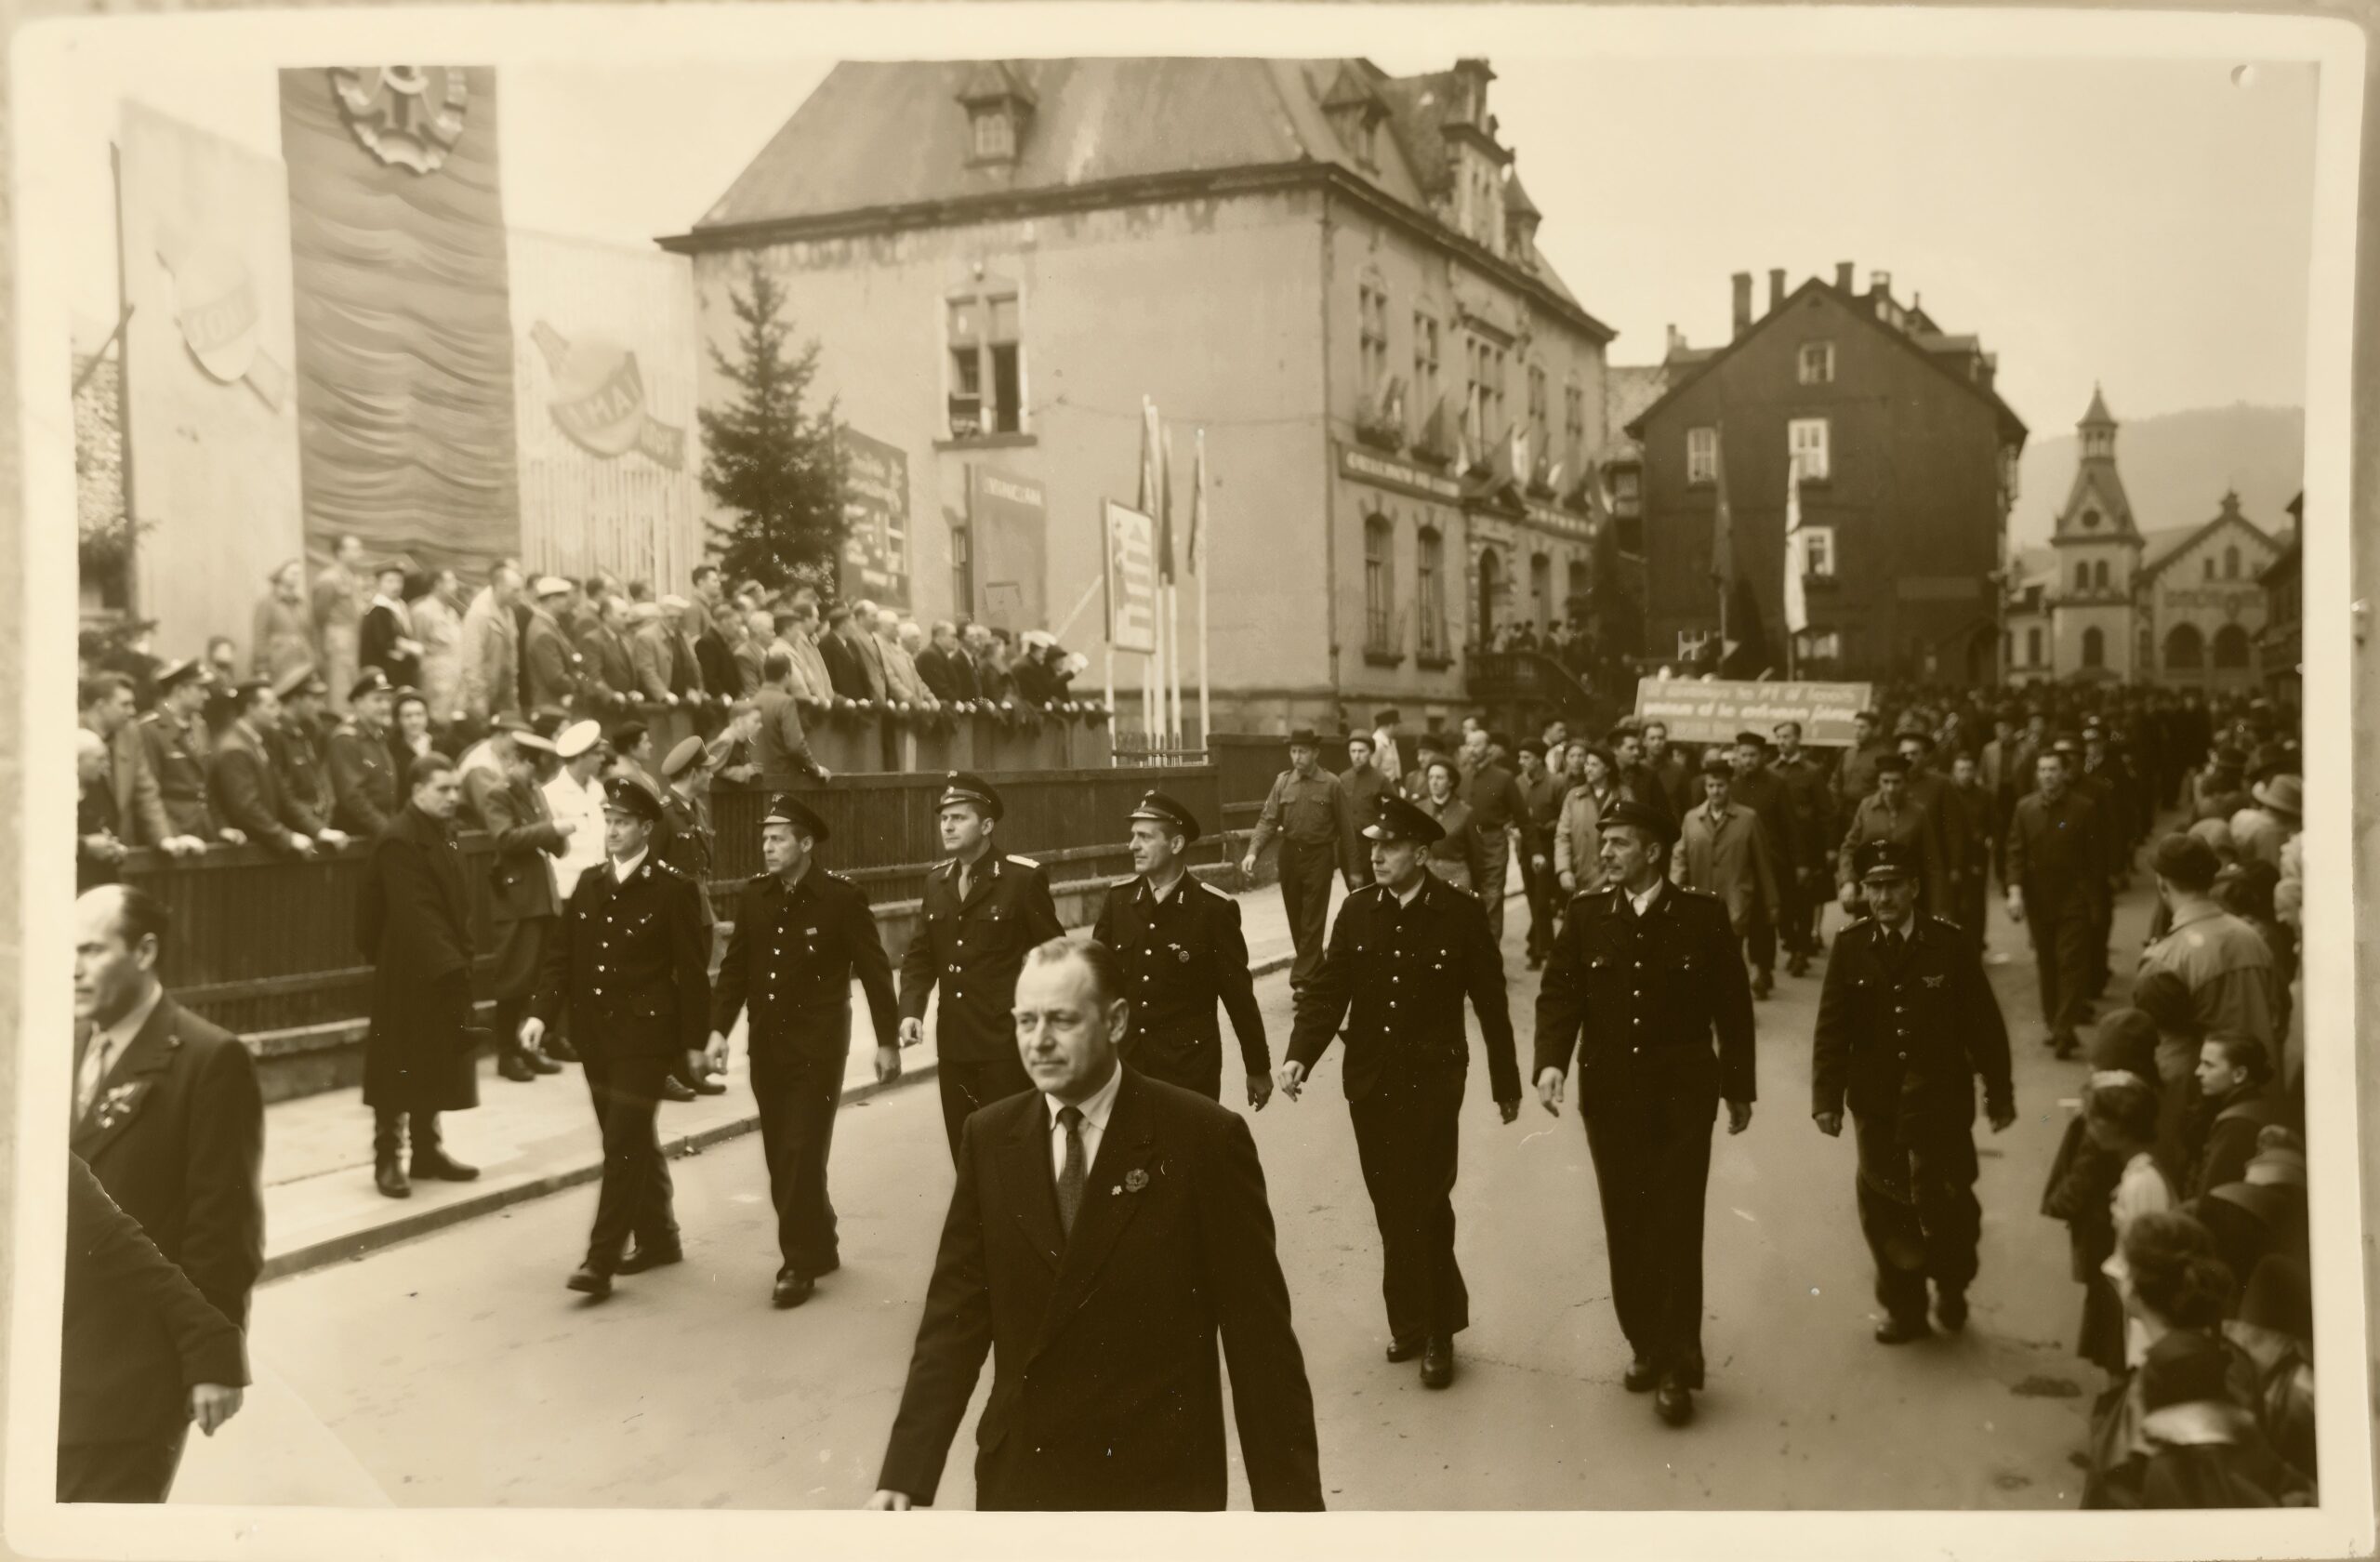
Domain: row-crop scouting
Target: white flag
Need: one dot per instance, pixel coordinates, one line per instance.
(1797, 609)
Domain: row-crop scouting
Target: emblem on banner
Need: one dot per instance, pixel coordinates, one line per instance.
(409, 116)
(215, 305)
(598, 398)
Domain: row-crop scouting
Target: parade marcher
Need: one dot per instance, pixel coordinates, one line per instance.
(801, 934)
(1888, 814)
(1971, 810)
(631, 965)
(1102, 1309)
(982, 912)
(1388, 752)
(363, 768)
(2100, 778)
(1577, 837)
(1681, 782)
(413, 921)
(574, 796)
(1636, 781)
(1361, 787)
(1929, 789)
(2057, 880)
(1855, 772)
(1541, 792)
(244, 786)
(1758, 787)
(1457, 855)
(523, 908)
(1643, 977)
(690, 842)
(1499, 819)
(1304, 810)
(1907, 1021)
(1404, 956)
(168, 1119)
(1725, 851)
(338, 614)
(177, 747)
(1178, 942)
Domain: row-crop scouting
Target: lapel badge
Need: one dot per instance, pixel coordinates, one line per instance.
(1936, 981)
(1136, 1179)
(1182, 955)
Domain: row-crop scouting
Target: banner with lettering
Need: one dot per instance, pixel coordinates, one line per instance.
(1131, 581)
(1715, 711)
(875, 501)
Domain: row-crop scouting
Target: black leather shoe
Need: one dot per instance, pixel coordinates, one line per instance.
(642, 1258)
(1673, 1402)
(1437, 1361)
(792, 1289)
(1642, 1375)
(1404, 1350)
(1901, 1330)
(513, 1067)
(558, 1050)
(440, 1167)
(1763, 984)
(674, 1089)
(1798, 966)
(540, 1063)
(390, 1178)
(831, 1265)
(1950, 1310)
(710, 1084)
(592, 1280)
(1689, 1372)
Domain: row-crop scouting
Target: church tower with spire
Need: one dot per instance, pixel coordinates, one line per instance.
(2098, 548)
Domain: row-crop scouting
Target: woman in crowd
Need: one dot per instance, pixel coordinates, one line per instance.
(387, 639)
(1458, 856)
(2083, 1182)
(410, 735)
(438, 624)
(282, 635)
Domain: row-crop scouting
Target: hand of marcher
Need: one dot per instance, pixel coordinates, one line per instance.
(1829, 1123)
(533, 1030)
(1248, 865)
(1291, 1079)
(1738, 1116)
(2001, 1116)
(888, 1502)
(912, 1032)
(213, 1404)
(1259, 1091)
(888, 1064)
(1549, 1090)
(2016, 905)
(1509, 1109)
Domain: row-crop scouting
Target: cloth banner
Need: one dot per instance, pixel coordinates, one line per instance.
(1131, 581)
(1713, 712)
(876, 502)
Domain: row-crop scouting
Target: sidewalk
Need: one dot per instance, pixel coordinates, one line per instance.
(530, 1140)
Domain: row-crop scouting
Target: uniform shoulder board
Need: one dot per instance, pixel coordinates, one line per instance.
(1209, 888)
(838, 878)
(665, 865)
(1024, 862)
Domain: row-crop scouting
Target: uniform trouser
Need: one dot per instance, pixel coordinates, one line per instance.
(1652, 1158)
(797, 1096)
(1544, 908)
(2062, 930)
(1194, 1065)
(635, 1196)
(1496, 851)
(389, 1130)
(969, 1085)
(1305, 895)
(127, 1472)
(1917, 1208)
(1407, 1139)
(520, 955)
(1971, 914)
(1760, 941)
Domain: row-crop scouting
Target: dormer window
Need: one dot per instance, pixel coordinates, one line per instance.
(999, 107)
(1358, 115)
(995, 136)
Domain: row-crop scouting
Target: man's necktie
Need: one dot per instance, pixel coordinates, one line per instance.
(1070, 1180)
(95, 1070)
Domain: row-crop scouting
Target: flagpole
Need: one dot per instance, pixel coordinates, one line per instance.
(1202, 521)
(1174, 657)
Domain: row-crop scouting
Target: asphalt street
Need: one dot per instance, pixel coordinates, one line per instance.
(456, 1371)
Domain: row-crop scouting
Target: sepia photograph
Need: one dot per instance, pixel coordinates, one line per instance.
(757, 688)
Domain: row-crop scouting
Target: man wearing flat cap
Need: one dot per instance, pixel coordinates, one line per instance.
(1179, 941)
(1405, 955)
(178, 748)
(1889, 813)
(549, 665)
(523, 907)
(631, 965)
(1907, 1021)
(1644, 977)
(1316, 827)
(980, 913)
(244, 785)
(364, 769)
(1855, 772)
(802, 935)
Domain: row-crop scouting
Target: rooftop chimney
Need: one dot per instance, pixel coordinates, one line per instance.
(1880, 281)
(1676, 341)
(1776, 289)
(1743, 302)
(1842, 275)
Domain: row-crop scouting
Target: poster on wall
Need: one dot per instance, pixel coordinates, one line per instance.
(876, 502)
(1131, 581)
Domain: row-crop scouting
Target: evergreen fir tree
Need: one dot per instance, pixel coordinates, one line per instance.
(778, 469)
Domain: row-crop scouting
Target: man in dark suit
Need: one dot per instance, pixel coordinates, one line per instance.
(1905, 1021)
(1179, 942)
(1106, 1228)
(2058, 886)
(1403, 956)
(524, 906)
(801, 934)
(107, 710)
(169, 1119)
(244, 787)
(1643, 977)
(848, 664)
(982, 912)
(632, 965)
(549, 665)
(947, 667)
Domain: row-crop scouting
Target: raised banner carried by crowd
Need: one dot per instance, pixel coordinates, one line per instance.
(1714, 712)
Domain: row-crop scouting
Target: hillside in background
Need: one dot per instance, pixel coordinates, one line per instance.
(2175, 467)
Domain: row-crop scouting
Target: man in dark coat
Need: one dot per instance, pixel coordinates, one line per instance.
(633, 967)
(1403, 957)
(800, 935)
(947, 667)
(243, 783)
(2058, 887)
(364, 769)
(1315, 830)
(1905, 1021)
(524, 906)
(295, 743)
(606, 664)
(413, 921)
(107, 711)
(982, 912)
(1643, 978)
(1179, 943)
(168, 1118)
(1105, 1230)
(143, 1350)
(550, 666)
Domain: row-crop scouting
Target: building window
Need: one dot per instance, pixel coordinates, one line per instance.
(995, 136)
(1425, 364)
(2099, 575)
(1702, 455)
(1374, 338)
(2090, 518)
(1807, 437)
(2230, 563)
(1380, 585)
(962, 569)
(1538, 426)
(987, 366)
(2032, 648)
(1817, 552)
(1826, 645)
(2082, 577)
(2095, 648)
(2209, 563)
(1429, 592)
(1492, 591)
(2230, 648)
(1574, 425)
(1575, 606)
(1818, 363)
(1484, 406)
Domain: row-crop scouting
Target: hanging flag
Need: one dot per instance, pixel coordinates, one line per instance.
(1164, 511)
(1723, 525)
(1198, 554)
(1146, 501)
(1797, 609)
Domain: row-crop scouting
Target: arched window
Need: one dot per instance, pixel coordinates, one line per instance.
(2231, 564)
(2095, 648)
(2185, 649)
(2082, 577)
(1380, 585)
(2230, 648)
(1492, 585)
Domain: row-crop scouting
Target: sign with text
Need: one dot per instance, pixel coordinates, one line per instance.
(876, 502)
(1010, 516)
(1714, 712)
(1131, 581)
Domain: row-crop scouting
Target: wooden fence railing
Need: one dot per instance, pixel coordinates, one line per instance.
(855, 743)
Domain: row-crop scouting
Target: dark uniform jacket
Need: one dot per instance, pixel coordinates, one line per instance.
(177, 759)
(1811, 803)
(791, 957)
(520, 876)
(1181, 955)
(364, 780)
(632, 964)
(139, 1334)
(1360, 795)
(974, 949)
(1641, 997)
(296, 751)
(1395, 976)
(1767, 794)
(2058, 850)
(1906, 1033)
(1496, 802)
(244, 791)
(1105, 1392)
(689, 845)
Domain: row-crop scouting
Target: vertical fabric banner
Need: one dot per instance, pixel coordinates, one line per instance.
(404, 368)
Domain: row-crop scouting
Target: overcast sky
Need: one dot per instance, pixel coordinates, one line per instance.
(2145, 224)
